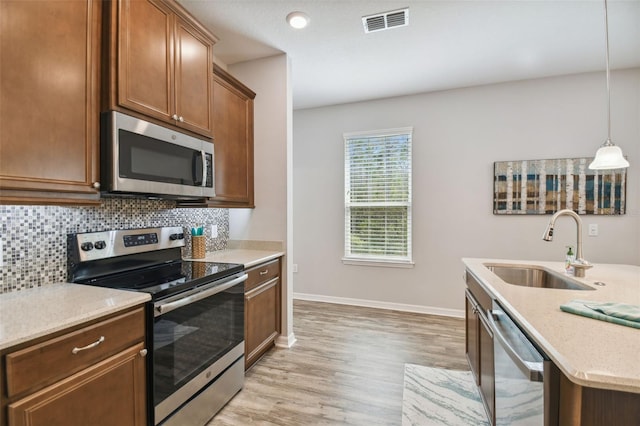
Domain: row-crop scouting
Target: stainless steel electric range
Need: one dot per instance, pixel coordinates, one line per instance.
(195, 320)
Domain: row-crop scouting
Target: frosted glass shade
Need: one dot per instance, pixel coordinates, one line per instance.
(298, 20)
(608, 157)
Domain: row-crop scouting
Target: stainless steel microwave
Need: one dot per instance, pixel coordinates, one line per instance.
(143, 159)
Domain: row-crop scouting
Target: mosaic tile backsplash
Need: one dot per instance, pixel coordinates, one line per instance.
(34, 237)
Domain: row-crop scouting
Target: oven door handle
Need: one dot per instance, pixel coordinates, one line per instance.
(163, 308)
(532, 370)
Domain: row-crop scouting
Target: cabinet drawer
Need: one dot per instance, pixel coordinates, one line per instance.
(39, 365)
(480, 295)
(109, 393)
(262, 273)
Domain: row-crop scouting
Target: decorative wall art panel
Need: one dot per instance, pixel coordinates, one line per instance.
(546, 186)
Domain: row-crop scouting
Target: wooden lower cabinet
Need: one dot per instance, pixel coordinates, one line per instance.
(93, 374)
(582, 406)
(472, 335)
(111, 392)
(479, 343)
(262, 310)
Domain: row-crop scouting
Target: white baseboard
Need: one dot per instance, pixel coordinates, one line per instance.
(285, 342)
(420, 309)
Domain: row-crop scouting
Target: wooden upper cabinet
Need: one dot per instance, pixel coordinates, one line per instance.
(160, 62)
(194, 88)
(145, 69)
(49, 101)
(233, 142)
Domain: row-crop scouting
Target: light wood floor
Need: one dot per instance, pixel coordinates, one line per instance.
(346, 368)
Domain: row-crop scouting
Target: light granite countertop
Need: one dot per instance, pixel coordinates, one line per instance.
(589, 352)
(248, 257)
(247, 252)
(29, 314)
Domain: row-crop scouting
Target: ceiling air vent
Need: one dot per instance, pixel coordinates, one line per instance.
(386, 20)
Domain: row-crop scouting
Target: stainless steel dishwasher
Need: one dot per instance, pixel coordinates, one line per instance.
(519, 373)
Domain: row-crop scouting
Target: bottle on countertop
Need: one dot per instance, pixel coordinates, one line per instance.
(571, 258)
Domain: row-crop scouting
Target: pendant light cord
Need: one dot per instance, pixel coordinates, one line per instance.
(608, 156)
(606, 34)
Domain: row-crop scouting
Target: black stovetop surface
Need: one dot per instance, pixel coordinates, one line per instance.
(165, 279)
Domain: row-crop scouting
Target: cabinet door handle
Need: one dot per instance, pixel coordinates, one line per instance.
(264, 272)
(175, 117)
(181, 119)
(89, 346)
(143, 352)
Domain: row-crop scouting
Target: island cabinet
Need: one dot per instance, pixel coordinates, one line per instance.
(262, 310)
(585, 406)
(479, 343)
(49, 101)
(158, 64)
(93, 374)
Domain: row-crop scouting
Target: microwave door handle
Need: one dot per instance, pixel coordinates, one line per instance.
(195, 165)
(203, 155)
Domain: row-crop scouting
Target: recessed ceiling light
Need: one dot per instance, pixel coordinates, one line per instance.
(298, 20)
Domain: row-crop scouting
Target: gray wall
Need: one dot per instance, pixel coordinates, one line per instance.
(34, 237)
(271, 219)
(458, 134)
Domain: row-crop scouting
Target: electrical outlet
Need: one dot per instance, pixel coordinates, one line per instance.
(593, 229)
(214, 231)
(295, 268)
(1, 255)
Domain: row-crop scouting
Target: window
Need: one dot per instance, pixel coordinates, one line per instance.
(378, 197)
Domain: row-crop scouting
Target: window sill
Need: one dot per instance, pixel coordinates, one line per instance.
(378, 262)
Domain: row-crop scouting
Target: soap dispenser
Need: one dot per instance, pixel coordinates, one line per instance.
(571, 257)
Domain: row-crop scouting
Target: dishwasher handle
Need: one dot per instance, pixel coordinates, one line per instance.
(532, 370)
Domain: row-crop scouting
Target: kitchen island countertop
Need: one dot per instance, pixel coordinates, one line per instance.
(589, 352)
(29, 314)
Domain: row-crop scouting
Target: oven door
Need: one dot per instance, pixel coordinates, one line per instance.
(197, 334)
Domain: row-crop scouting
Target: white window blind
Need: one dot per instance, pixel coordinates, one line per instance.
(378, 196)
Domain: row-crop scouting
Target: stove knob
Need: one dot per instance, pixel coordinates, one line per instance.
(86, 246)
(173, 237)
(181, 236)
(100, 245)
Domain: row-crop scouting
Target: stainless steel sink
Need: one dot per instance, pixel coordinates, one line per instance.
(533, 276)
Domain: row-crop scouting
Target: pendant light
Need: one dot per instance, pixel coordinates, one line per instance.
(608, 155)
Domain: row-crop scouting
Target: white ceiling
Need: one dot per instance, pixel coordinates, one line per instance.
(448, 44)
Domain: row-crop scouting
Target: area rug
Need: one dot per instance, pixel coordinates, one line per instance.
(435, 396)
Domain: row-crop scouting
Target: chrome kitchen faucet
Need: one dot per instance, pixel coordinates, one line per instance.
(580, 264)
